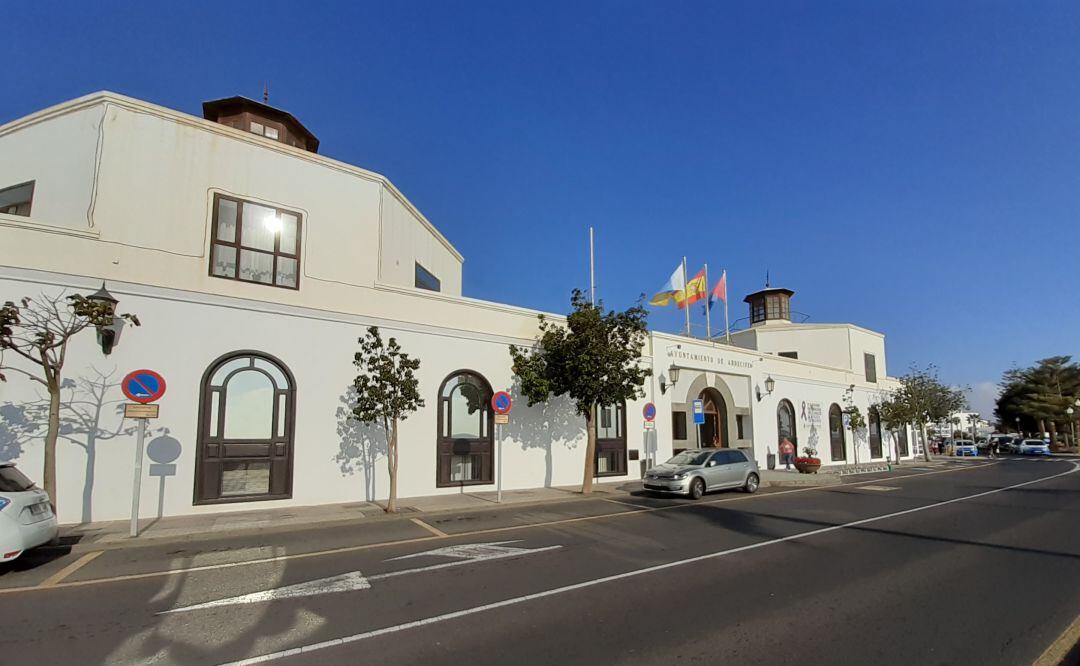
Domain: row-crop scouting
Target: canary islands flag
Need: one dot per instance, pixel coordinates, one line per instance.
(673, 290)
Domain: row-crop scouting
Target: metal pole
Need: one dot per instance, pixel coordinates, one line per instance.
(727, 326)
(708, 304)
(592, 268)
(498, 438)
(136, 485)
(685, 280)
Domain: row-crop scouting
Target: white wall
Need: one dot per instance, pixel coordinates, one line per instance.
(405, 240)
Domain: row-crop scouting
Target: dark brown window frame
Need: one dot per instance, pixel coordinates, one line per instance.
(870, 367)
(678, 424)
(205, 439)
(442, 480)
(790, 408)
(421, 275)
(873, 424)
(237, 244)
(835, 411)
(616, 444)
(29, 202)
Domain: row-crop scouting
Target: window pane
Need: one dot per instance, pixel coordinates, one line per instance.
(256, 266)
(215, 398)
(224, 261)
(226, 220)
(606, 429)
(245, 478)
(257, 128)
(281, 415)
(286, 272)
(465, 468)
(279, 377)
(249, 406)
(224, 370)
(16, 200)
(261, 225)
(271, 133)
(465, 412)
(288, 233)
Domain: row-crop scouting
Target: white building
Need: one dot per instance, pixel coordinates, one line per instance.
(255, 264)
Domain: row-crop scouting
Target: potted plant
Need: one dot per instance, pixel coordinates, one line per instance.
(809, 463)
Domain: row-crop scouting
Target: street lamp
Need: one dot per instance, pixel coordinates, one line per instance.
(770, 384)
(1018, 426)
(1072, 424)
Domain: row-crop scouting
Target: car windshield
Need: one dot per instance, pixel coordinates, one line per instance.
(13, 481)
(690, 458)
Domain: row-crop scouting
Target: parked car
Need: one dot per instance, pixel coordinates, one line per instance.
(964, 447)
(1004, 443)
(26, 516)
(1034, 447)
(694, 472)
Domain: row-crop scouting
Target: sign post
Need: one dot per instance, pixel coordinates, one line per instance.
(501, 404)
(699, 418)
(648, 412)
(141, 387)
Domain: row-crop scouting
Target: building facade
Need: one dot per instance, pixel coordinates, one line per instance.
(255, 264)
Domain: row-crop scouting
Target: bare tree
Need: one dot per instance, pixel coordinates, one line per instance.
(38, 331)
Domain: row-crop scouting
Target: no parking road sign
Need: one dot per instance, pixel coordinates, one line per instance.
(649, 412)
(502, 403)
(143, 386)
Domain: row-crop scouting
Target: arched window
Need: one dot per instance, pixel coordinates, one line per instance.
(245, 446)
(836, 433)
(610, 457)
(785, 425)
(874, 425)
(465, 442)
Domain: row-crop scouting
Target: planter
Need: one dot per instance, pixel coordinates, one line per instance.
(807, 468)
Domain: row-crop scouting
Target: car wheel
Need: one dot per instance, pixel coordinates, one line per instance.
(752, 482)
(697, 488)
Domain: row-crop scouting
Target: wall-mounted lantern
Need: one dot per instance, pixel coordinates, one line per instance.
(770, 384)
(107, 336)
(670, 380)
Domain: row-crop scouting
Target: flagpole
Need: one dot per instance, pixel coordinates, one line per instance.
(727, 327)
(686, 282)
(592, 269)
(708, 324)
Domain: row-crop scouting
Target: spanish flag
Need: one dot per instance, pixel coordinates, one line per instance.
(673, 289)
(696, 289)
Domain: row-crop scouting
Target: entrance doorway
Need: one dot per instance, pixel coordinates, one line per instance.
(714, 432)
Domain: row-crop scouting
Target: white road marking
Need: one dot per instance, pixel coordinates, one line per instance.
(354, 580)
(879, 488)
(607, 579)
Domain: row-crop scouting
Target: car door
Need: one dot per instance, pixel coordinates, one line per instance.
(714, 470)
(727, 469)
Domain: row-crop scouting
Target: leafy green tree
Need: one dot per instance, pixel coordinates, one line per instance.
(922, 399)
(894, 419)
(1039, 395)
(856, 420)
(594, 359)
(37, 331)
(386, 394)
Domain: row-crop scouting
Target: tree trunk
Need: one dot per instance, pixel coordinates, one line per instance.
(49, 474)
(590, 452)
(392, 463)
(925, 443)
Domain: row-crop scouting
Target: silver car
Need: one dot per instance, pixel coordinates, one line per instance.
(694, 472)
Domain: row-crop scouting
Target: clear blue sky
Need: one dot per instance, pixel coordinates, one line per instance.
(912, 167)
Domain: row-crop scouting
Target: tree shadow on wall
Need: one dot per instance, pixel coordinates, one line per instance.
(543, 426)
(84, 401)
(361, 445)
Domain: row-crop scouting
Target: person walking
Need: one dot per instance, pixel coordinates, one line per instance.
(787, 452)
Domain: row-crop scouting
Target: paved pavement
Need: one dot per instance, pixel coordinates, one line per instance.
(964, 563)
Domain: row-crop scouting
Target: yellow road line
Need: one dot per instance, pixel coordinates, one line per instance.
(399, 542)
(434, 530)
(1059, 649)
(70, 569)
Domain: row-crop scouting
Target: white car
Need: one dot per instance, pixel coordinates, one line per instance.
(26, 516)
(1034, 447)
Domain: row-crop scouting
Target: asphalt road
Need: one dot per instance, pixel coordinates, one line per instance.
(977, 566)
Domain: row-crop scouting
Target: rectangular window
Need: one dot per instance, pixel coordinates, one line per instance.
(245, 478)
(739, 434)
(789, 354)
(425, 279)
(16, 200)
(255, 243)
(678, 425)
(871, 367)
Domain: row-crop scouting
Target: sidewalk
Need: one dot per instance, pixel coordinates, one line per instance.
(116, 533)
